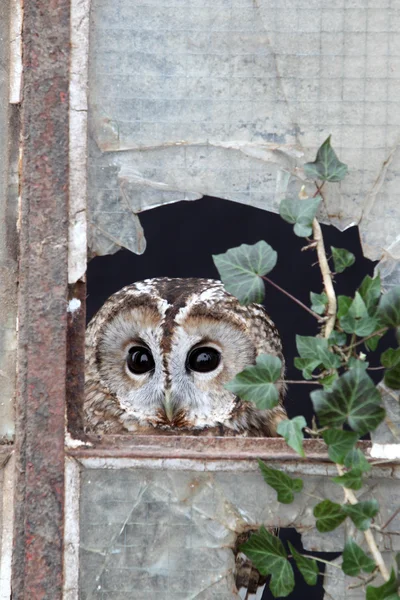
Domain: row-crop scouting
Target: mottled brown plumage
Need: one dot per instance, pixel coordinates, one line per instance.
(176, 328)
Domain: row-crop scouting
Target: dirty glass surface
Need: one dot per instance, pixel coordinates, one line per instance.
(8, 199)
(229, 97)
(167, 532)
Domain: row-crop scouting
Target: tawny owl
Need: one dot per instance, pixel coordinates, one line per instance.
(159, 352)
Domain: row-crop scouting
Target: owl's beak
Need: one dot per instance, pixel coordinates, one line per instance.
(169, 405)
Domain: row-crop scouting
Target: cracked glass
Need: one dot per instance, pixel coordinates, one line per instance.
(229, 98)
(170, 532)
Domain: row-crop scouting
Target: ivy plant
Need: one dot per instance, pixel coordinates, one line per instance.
(334, 362)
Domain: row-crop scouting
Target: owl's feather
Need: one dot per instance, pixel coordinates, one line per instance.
(170, 317)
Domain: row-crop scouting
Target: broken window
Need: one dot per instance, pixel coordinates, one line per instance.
(127, 106)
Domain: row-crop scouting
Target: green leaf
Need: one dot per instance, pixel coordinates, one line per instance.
(307, 366)
(389, 308)
(355, 560)
(355, 459)
(370, 292)
(357, 320)
(291, 430)
(241, 269)
(362, 513)
(318, 302)
(339, 443)
(373, 342)
(314, 349)
(392, 378)
(307, 566)
(342, 259)
(337, 338)
(357, 363)
(329, 515)
(390, 358)
(268, 555)
(351, 480)
(256, 383)
(284, 485)
(326, 166)
(387, 591)
(329, 380)
(344, 303)
(353, 399)
(301, 213)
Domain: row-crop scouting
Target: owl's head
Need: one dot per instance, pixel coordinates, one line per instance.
(159, 352)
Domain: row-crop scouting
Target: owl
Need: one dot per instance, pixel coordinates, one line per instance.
(159, 353)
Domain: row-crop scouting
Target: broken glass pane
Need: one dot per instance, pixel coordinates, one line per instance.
(229, 98)
(169, 531)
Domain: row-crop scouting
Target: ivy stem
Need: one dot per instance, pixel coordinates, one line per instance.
(327, 562)
(330, 323)
(299, 302)
(368, 337)
(299, 381)
(394, 515)
(369, 538)
(326, 279)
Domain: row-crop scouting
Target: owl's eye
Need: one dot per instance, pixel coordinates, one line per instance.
(203, 360)
(140, 360)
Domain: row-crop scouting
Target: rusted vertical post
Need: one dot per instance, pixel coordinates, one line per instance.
(43, 294)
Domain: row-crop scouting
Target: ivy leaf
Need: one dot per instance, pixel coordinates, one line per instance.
(268, 555)
(355, 560)
(387, 591)
(362, 513)
(357, 320)
(291, 430)
(329, 380)
(373, 342)
(355, 459)
(337, 338)
(356, 363)
(241, 269)
(307, 566)
(390, 358)
(329, 515)
(256, 383)
(351, 480)
(389, 308)
(342, 259)
(326, 166)
(353, 398)
(301, 213)
(318, 302)
(314, 348)
(284, 485)
(392, 378)
(344, 303)
(370, 292)
(307, 366)
(339, 443)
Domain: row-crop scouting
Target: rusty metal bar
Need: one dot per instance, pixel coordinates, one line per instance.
(203, 448)
(38, 532)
